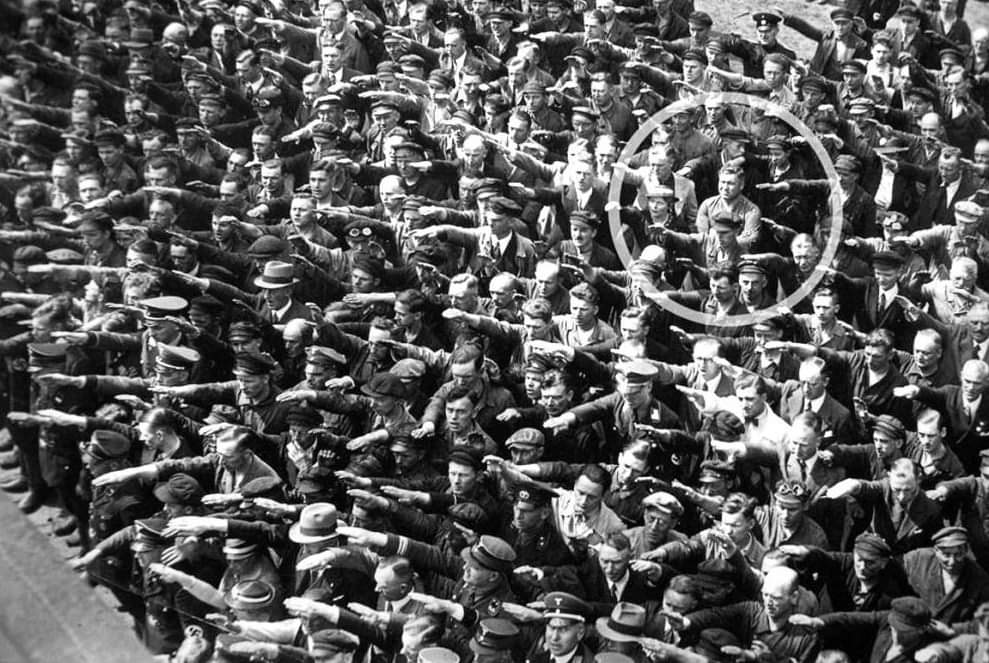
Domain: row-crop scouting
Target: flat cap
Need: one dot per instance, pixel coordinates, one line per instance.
(947, 537)
(887, 259)
(384, 384)
(664, 502)
(407, 369)
(64, 257)
(268, 245)
(696, 55)
(871, 545)
(842, 14)
(29, 255)
(304, 417)
(526, 437)
(909, 614)
(180, 489)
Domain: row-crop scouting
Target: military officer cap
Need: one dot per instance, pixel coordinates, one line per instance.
(585, 217)
(242, 331)
(113, 137)
(841, 14)
(534, 493)
(853, 67)
(735, 134)
(253, 363)
(948, 537)
(408, 369)
(491, 553)
(175, 358)
(726, 223)
(503, 205)
(766, 19)
(970, 211)
(861, 106)
(108, 444)
(908, 10)
(696, 55)
(46, 356)
(494, 635)
(871, 546)
(779, 141)
(814, 83)
(645, 30)
(751, 267)
(159, 308)
(180, 489)
(500, 14)
(561, 605)
(384, 384)
(437, 655)
(305, 417)
(586, 111)
(251, 595)
(526, 437)
(328, 642)
(700, 18)
(637, 371)
(664, 502)
(920, 91)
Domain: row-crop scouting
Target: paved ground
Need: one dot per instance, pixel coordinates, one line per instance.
(43, 519)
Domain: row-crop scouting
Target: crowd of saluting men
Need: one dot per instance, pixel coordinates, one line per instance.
(316, 332)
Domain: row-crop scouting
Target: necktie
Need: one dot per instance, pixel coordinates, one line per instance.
(882, 302)
(803, 469)
(897, 515)
(614, 591)
(496, 252)
(389, 607)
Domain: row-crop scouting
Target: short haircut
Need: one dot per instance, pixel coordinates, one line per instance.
(597, 474)
(810, 420)
(414, 299)
(618, 541)
(538, 308)
(740, 503)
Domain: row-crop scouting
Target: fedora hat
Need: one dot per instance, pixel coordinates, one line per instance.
(625, 623)
(277, 274)
(317, 523)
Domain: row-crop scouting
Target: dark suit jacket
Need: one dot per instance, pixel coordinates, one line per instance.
(921, 521)
(837, 425)
(971, 590)
(296, 310)
(932, 210)
(965, 437)
(825, 61)
(861, 295)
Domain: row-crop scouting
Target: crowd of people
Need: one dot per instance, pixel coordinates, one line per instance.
(370, 330)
